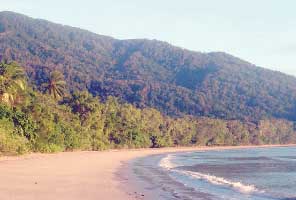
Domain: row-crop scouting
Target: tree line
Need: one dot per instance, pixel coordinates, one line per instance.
(49, 118)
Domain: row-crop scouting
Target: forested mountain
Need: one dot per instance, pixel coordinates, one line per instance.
(148, 73)
(213, 98)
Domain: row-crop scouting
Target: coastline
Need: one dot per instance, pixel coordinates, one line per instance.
(80, 175)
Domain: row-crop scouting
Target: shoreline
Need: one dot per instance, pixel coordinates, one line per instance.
(82, 174)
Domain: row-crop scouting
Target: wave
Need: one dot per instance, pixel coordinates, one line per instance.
(221, 181)
(166, 163)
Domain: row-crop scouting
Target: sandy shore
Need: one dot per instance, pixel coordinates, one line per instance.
(72, 175)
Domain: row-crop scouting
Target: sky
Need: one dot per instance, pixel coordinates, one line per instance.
(262, 32)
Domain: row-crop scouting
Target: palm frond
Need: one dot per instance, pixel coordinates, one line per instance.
(56, 85)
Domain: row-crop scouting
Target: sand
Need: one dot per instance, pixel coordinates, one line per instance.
(72, 175)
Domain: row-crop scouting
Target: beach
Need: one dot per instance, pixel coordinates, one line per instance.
(76, 175)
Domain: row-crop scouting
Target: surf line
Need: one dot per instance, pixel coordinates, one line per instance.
(167, 164)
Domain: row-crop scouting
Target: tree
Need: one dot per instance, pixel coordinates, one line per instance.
(12, 82)
(56, 85)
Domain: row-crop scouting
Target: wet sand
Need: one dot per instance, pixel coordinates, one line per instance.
(76, 175)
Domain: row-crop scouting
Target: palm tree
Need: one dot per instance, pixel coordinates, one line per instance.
(12, 82)
(56, 85)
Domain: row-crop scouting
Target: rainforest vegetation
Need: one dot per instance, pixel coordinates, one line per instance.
(63, 88)
(50, 118)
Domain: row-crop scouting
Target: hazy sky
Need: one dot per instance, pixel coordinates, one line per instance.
(260, 31)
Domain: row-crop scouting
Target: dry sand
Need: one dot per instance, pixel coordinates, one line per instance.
(71, 175)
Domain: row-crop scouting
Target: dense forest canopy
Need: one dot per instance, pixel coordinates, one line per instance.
(48, 121)
(148, 73)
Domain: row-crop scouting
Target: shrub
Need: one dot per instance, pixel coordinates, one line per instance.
(10, 142)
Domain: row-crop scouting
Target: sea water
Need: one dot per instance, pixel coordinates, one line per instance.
(244, 174)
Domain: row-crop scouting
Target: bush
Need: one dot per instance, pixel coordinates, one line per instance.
(10, 142)
(49, 148)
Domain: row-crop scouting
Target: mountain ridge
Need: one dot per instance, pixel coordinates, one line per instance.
(148, 73)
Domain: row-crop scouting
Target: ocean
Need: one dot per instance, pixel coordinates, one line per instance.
(240, 174)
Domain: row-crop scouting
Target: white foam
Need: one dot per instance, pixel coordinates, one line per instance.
(243, 188)
(167, 164)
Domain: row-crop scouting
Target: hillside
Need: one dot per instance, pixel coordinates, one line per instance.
(148, 73)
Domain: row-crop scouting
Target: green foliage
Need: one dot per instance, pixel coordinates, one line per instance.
(12, 83)
(201, 99)
(10, 142)
(57, 126)
(158, 141)
(82, 121)
(55, 86)
(49, 148)
(26, 126)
